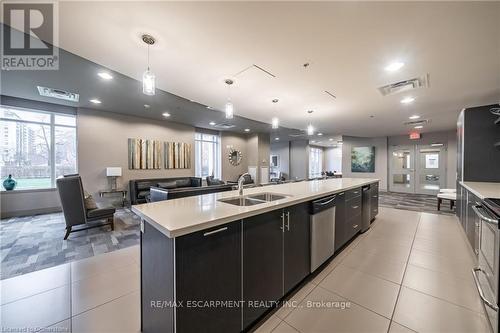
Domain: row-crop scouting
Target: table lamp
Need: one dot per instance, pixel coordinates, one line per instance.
(113, 172)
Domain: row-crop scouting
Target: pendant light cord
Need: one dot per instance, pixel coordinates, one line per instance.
(148, 57)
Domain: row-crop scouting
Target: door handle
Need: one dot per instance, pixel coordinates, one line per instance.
(484, 217)
(480, 289)
(214, 231)
(288, 221)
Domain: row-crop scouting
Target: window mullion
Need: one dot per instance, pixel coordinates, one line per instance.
(52, 151)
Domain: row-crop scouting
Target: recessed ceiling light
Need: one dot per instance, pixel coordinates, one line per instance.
(277, 139)
(165, 114)
(419, 127)
(415, 116)
(320, 134)
(313, 141)
(147, 106)
(407, 100)
(330, 139)
(394, 66)
(209, 107)
(212, 123)
(247, 129)
(95, 101)
(105, 75)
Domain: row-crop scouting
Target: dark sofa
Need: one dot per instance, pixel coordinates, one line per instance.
(139, 188)
(168, 194)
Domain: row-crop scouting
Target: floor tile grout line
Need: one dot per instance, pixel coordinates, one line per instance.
(444, 300)
(59, 286)
(109, 301)
(404, 274)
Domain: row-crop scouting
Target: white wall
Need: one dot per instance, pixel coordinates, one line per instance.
(380, 145)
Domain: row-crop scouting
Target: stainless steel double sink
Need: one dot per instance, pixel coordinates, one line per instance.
(253, 199)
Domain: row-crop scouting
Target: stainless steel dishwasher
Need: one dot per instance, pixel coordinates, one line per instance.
(322, 215)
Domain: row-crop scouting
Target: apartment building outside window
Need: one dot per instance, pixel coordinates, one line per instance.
(315, 162)
(207, 155)
(36, 147)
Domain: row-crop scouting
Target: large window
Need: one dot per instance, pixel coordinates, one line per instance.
(207, 155)
(315, 162)
(36, 147)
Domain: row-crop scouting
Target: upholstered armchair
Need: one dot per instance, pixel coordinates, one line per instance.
(73, 204)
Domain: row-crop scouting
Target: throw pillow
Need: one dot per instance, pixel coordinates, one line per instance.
(89, 201)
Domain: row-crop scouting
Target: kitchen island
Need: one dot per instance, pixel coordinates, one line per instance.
(219, 262)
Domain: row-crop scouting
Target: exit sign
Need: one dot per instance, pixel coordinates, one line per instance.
(414, 135)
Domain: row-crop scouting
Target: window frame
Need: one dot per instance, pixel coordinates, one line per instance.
(198, 138)
(52, 155)
(319, 152)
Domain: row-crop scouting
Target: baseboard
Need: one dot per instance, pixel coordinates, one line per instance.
(30, 212)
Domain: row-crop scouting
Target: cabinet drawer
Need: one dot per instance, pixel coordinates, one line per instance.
(353, 208)
(353, 226)
(351, 194)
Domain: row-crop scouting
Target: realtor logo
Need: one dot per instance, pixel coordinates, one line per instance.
(29, 33)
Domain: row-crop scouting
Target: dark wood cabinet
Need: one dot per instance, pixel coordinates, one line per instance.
(296, 256)
(471, 221)
(340, 221)
(374, 192)
(262, 263)
(208, 268)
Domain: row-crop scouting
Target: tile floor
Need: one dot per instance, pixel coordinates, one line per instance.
(409, 272)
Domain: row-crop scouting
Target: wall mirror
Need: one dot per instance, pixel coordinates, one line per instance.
(234, 157)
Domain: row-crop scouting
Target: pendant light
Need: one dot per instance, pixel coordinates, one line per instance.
(275, 122)
(229, 108)
(310, 128)
(148, 78)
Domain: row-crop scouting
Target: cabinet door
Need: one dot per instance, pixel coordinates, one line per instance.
(374, 200)
(262, 263)
(340, 221)
(296, 245)
(470, 226)
(208, 268)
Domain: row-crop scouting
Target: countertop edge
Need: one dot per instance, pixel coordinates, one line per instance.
(213, 223)
(477, 192)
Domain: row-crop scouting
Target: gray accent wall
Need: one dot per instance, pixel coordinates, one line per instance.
(380, 145)
(102, 142)
(299, 159)
(282, 149)
(239, 142)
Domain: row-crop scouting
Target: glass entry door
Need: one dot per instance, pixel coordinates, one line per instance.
(402, 169)
(431, 169)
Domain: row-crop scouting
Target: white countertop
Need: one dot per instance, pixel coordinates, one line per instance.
(182, 216)
(483, 190)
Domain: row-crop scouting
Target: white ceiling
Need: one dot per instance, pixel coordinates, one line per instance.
(347, 44)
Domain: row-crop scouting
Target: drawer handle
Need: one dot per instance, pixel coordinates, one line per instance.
(375, 196)
(354, 207)
(480, 290)
(214, 231)
(355, 192)
(355, 226)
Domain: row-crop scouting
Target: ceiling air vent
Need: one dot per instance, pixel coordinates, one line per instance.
(224, 126)
(58, 93)
(406, 85)
(416, 122)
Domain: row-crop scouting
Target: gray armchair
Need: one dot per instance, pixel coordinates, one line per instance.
(72, 200)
